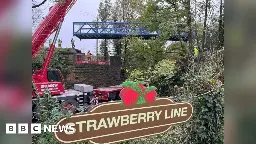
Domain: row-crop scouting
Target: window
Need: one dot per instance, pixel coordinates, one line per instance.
(53, 76)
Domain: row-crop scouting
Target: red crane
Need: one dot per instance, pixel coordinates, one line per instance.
(49, 78)
(52, 79)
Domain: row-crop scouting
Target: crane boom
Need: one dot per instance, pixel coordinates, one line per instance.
(43, 78)
(51, 50)
(50, 24)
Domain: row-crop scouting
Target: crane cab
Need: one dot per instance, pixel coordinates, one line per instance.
(51, 80)
(54, 75)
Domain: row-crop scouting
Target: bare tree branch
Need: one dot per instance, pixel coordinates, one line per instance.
(38, 5)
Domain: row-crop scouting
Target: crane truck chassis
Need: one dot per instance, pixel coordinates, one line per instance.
(80, 97)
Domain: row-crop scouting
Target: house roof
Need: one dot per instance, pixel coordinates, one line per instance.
(78, 51)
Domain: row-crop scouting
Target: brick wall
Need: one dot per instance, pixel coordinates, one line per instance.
(96, 75)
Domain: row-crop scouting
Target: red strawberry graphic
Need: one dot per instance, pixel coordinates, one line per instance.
(142, 87)
(129, 96)
(150, 97)
(124, 91)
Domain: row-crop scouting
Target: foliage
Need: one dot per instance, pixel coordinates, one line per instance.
(58, 61)
(164, 17)
(203, 88)
(104, 10)
(104, 16)
(143, 54)
(104, 48)
(116, 42)
(174, 69)
(163, 75)
(164, 68)
(206, 126)
(50, 113)
(36, 17)
(160, 76)
(177, 51)
(137, 74)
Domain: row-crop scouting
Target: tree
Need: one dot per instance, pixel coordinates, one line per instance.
(207, 3)
(221, 25)
(126, 11)
(189, 24)
(129, 10)
(37, 13)
(117, 47)
(50, 112)
(104, 48)
(34, 5)
(58, 61)
(143, 54)
(169, 66)
(104, 16)
(104, 10)
(116, 42)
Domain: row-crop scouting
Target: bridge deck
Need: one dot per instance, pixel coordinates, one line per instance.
(116, 30)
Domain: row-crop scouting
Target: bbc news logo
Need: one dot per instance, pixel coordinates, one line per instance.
(25, 128)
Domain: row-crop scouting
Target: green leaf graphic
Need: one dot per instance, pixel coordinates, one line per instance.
(151, 88)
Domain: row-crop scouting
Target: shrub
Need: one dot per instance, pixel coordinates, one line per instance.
(203, 88)
(58, 61)
(50, 113)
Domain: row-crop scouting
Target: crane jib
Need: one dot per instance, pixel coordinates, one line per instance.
(50, 24)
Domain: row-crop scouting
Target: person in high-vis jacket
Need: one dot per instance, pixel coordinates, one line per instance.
(196, 52)
(73, 43)
(59, 43)
(89, 55)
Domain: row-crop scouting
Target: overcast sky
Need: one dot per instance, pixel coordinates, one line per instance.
(82, 11)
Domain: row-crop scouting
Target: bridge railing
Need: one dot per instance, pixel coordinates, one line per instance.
(111, 28)
(130, 31)
(118, 30)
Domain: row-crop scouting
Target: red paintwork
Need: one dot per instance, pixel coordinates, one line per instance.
(49, 25)
(105, 91)
(54, 87)
(40, 79)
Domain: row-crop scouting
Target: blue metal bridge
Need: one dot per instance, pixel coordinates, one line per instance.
(117, 30)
